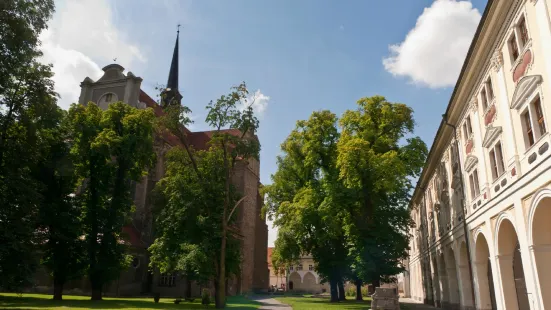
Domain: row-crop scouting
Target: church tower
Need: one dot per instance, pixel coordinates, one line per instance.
(171, 95)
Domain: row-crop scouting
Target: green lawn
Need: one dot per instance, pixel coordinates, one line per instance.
(306, 303)
(303, 303)
(42, 302)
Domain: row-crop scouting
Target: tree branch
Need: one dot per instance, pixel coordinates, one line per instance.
(235, 207)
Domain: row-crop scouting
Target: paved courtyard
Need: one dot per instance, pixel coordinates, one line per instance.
(414, 305)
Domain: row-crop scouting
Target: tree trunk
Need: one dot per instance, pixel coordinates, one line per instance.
(96, 293)
(93, 237)
(376, 282)
(217, 300)
(58, 289)
(221, 291)
(334, 290)
(342, 295)
(188, 288)
(359, 290)
(227, 292)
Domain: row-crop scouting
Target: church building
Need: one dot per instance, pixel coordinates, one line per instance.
(116, 85)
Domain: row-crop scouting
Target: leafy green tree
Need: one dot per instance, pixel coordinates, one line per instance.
(110, 149)
(342, 195)
(210, 174)
(188, 217)
(308, 200)
(377, 161)
(25, 90)
(59, 216)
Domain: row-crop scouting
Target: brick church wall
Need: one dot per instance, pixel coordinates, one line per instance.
(261, 276)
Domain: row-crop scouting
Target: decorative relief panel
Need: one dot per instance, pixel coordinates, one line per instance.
(497, 60)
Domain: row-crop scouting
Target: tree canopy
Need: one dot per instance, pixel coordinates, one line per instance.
(197, 199)
(341, 191)
(110, 149)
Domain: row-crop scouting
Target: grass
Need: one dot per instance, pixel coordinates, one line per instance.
(304, 303)
(43, 302)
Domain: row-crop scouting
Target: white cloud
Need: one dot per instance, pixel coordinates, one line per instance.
(434, 50)
(259, 102)
(81, 33)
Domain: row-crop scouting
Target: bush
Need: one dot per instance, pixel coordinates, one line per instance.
(156, 297)
(350, 291)
(205, 297)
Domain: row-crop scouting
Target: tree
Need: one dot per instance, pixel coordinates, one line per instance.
(59, 219)
(308, 200)
(25, 89)
(232, 144)
(110, 149)
(188, 217)
(377, 161)
(342, 196)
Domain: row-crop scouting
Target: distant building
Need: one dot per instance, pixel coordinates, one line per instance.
(482, 205)
(115, 85)
(299, 277)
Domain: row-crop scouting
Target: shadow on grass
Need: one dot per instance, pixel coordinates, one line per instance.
(299, 303)
(39, 302)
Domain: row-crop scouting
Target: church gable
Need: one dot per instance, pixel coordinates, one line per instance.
(113, 86)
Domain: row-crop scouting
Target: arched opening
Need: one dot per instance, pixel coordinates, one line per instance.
(541, 239)
(467, 299)
(510, 265)
(483, 274)
(443, 275)
(453, 284)
(295, 281)
(309, 282)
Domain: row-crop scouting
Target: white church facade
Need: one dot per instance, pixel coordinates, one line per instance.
(482, 206)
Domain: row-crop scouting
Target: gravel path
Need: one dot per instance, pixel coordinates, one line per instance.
(269, 303)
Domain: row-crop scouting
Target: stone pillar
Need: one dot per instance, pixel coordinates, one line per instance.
(481, 286)
(445, 292)
(454, 302)
(507, 281)
(467, 300)
(541, 256)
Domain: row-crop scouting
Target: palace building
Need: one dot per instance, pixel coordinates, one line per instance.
(300, 277)
(252, 230)
(482, 206)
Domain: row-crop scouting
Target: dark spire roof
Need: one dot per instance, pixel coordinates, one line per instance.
(172, 82)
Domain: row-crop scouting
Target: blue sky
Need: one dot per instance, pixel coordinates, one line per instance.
(300, 56)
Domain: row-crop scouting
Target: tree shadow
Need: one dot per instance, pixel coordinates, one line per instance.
(15, 302)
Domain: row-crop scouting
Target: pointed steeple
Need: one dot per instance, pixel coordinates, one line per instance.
(172, 82)
(171, 95)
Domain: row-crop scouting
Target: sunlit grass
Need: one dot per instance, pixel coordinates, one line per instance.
(41, 301)
(303, 303)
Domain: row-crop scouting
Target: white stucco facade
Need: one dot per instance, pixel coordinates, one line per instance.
(482, 206)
